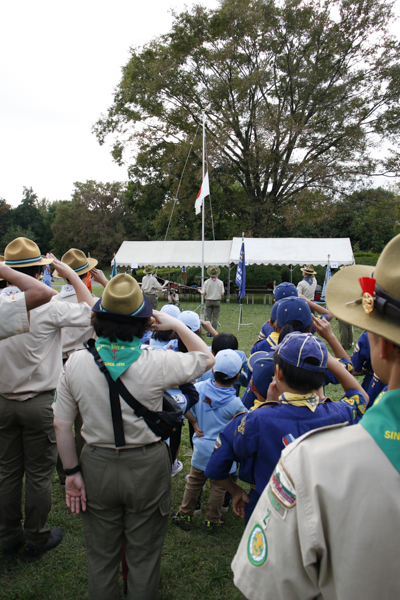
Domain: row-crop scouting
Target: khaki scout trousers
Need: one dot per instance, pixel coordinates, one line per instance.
(128, 494)
(27, 445)
(213, 308)
(193, 487)
(153, 300)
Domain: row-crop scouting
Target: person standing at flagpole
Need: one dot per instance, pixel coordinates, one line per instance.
(150, 285)
(213, 291)
(307, 285)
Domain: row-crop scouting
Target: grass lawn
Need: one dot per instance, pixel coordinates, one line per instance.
(194, 565)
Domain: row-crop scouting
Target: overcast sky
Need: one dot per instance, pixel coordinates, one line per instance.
(59, 65)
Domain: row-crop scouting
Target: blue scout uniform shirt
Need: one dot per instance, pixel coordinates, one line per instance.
(266, 344)
(266, 330)
(375, 388)
(216, 407)
(329, 376)
(263, 433)
(361, 359)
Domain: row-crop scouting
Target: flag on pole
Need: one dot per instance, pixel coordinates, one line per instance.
(328, 275)
(241, 274)
(204, 191)
(114, 269)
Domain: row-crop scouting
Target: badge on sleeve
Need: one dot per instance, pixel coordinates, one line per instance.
(282, 487)
(257, 548)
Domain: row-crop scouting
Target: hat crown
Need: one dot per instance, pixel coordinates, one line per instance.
(297, 347)
(75, 259)
(293, 309)
(122, 295)
(148, 269)
(228, 362)
(21, 249)
(387, 270)
(213, 271)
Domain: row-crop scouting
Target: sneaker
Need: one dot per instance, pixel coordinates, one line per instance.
(225, 506)
(176, 468)
(33, 553)
(210, 527)
(183, 521)
(197, 511)
(11, 553)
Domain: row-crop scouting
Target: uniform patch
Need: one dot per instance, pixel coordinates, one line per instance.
(242, 425)
(13, 298)
(282, 487)
(257, 548)
(218, 443)
(276, 505)
(288, 439)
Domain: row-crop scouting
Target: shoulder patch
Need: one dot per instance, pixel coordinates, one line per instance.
(218, 443)
(257, 548)
(282, 487)
(242, 425)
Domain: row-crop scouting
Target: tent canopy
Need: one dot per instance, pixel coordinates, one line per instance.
(259, 251)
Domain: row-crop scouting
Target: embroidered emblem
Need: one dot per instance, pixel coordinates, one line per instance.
(218, 443)
(288, 439)
(207, 400)
(13, 298)
(368, 288)
(242, 425)
(267, 519)
(282, 487)
(257, 548)
(349, 400)
(276, 505)
(114, 353)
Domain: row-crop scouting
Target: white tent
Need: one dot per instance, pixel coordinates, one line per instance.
(174, 254)
(293, 251)
(259, 251)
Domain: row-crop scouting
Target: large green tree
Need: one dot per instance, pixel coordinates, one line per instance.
(298, 94)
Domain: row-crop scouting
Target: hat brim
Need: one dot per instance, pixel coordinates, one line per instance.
(344, 287)
(145, 313)
(92, 262)
(309, 272)
(213, 274)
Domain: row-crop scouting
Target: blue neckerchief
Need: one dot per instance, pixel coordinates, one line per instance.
(215, 397)
(309, 280)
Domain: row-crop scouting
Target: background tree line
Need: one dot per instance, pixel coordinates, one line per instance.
(100, 216)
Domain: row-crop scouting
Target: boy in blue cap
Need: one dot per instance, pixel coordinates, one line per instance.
(283, 290)
(217, 405)
(300, 363)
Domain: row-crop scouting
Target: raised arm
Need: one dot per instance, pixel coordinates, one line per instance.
(82, 293)
(36, 293)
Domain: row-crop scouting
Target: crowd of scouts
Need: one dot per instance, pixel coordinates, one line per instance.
(315, 468)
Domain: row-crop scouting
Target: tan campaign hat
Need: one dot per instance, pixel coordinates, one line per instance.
(213, 271)
(148, 269)
(76, 259)
(1, 260)
(22, 252)
(122, 300)
(374, 302)
(309, 269)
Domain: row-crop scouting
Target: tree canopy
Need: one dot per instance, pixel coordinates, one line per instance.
(298, 95)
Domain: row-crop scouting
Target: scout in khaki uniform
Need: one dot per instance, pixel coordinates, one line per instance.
(332, 502)
(150, 285)
(122, 490)
(29, 370)
(213, 291)
(307, 285)
(14, 309)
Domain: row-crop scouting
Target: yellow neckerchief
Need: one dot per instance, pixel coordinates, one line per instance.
(274, 338)
(311, 400)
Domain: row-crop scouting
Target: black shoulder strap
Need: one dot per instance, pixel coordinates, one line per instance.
(117, 389)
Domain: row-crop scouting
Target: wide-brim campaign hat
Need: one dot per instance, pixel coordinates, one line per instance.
(22, 252)
(148, 269)
(77, 260)
(1, 260)
(213, 271)
(374, 302)
(309, 269)
(122, 300)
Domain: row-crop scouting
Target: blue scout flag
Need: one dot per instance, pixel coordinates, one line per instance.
(241, 274)
(328, 275)
(114, 269)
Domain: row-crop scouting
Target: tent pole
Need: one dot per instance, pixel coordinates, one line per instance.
(202, 222)
(229, 284)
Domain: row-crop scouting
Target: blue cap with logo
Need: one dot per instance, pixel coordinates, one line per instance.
(293, 309)
(285, 290)
(190, 319)
(262, 366)
(297, 348)
(228, 362)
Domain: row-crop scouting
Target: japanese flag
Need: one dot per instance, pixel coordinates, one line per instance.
(204, 191)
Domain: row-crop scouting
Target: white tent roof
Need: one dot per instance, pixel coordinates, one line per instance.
(174, 254)
(259, 251)
(293, 251)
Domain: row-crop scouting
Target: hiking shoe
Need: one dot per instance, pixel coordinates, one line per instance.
(33, 553)
(210, 527)
(183, 521)
(177, 467)
(11, 553)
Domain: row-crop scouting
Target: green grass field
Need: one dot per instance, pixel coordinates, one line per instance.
(194, 565)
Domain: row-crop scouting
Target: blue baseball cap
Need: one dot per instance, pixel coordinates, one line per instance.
(262, 366)
(297, 347)
(274, 309)
(171, 310)
(285, 290)
(228, 362)
(190, 319)
(293, 309)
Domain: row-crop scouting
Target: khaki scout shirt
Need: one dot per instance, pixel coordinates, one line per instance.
(303, 287)
(13, 316)
(150, 285)
(31, 363)
(83, 386)
(213, 289)
(326, 526)
(72, 338)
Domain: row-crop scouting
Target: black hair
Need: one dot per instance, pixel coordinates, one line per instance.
(224, 341)
(3, 284)
(31, 271)
(115, 329)
(224, 379)
(181, 345)
(299, 379)
(163, 336)
(82, 277)
(291, 326)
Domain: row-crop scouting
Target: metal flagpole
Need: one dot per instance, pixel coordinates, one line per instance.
(202, 223)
